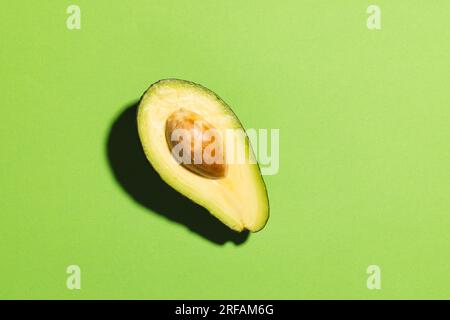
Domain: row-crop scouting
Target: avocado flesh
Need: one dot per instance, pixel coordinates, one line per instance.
(239, 199)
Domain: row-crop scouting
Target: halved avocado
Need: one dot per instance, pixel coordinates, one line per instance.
(232, 191)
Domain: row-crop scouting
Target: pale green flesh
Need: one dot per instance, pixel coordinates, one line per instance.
(240, 199)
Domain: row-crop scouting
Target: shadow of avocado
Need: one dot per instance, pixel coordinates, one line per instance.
(138, 178)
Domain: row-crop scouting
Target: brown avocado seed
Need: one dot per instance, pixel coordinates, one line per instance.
(196, 144)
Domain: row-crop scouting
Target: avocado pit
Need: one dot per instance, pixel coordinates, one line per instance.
(196, 144)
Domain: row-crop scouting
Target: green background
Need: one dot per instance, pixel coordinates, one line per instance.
(364, 147)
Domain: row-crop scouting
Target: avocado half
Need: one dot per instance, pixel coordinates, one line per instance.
(234, 192)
